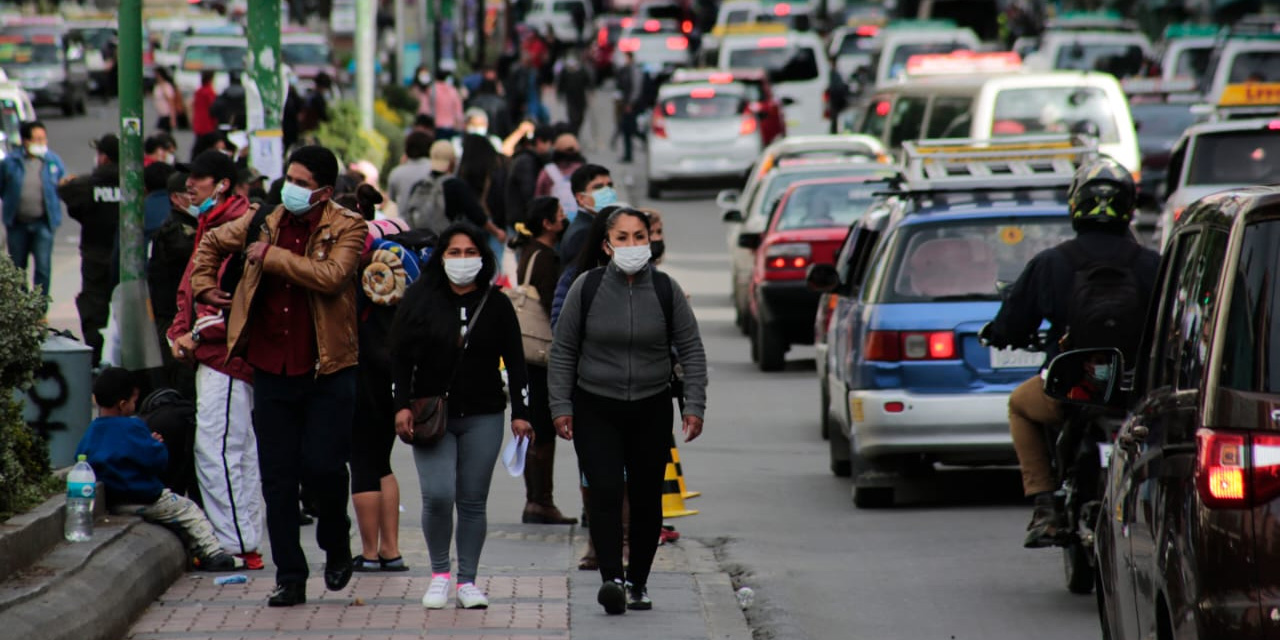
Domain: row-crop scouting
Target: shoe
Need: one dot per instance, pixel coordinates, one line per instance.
(613, 597)
(471, 597)
(252, 560)
(638, 598)
(543, 514)
(220, 562)
(393, 564)
(338, 573)
(1042, 531)
(288, 595)
(437, 595)
(365, 565)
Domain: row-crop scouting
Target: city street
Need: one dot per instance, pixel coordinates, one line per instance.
(947, 563)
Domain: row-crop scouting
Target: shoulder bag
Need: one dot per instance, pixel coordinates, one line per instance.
(432, 412)
(535, 324)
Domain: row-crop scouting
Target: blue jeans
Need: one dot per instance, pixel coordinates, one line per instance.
(33, 239)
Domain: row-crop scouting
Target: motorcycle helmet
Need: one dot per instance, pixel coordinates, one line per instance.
(1102, 195)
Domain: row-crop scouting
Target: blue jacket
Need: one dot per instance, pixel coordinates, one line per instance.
(125, 459)
(13, 169)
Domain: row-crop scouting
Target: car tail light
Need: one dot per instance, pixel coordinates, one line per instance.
(720, 78)
(883, 346)
(602, 38)
(749, 124)
(652, 25)
(772, 43)
(867, 30)
(702, 93)
(629, 45)
(677, 43)
(935, 345)
(1237, 470)
(788, 255)
(659, 123)
(1177, 213)
(1274, 125)
(687, 26)
(829, 313)
(627, 22)
(782, 9)
(894, 407)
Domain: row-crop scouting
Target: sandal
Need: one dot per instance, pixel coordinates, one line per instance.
(393, 564)
(363, 564)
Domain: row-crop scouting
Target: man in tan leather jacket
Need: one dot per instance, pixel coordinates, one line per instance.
(293, 319)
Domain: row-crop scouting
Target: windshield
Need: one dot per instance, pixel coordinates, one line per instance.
(1120, 60)
(949, 260)
(304, 53)
(17, 50)
(853, 44)
(214, 58)
(788, 64)
(1162, 120)
(904, 52)
(1236, 157)
(1055, 110)
(1250, 362)
(826, 205)
(782, 181)
(703, 104)
(1255, 66)
(1192, 62)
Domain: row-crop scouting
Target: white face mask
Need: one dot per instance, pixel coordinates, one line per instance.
(462, 271)
(424, 78)
(38, 150)
(478, 131)
(631, 259)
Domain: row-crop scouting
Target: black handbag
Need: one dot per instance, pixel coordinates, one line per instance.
(431, 413)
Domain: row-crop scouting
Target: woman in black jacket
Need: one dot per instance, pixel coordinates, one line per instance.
(429, 341)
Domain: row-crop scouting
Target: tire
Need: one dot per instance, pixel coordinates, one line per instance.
(82, 107)
(873, 497)
(1078, 569)
(68, 109)
(770, 347)
(841, 459)
(824, 420)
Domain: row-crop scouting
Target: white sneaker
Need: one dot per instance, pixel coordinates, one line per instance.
(437, 595)
(471, 597)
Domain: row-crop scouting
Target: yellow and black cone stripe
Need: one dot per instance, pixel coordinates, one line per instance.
(672, 499)
(684, 490)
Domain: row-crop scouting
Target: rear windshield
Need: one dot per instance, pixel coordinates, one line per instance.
(1192, 63)
(1253, 317)
(1162, 120)
(703, 105)
(904, 52)
(214, 58)
(1236, 157)
(853, 44)
(1055, 110)
(826, 205)
(780, 182)
(787, 63)
(19, 50)
(1120, 60)
(963, 261)
(1255, 66)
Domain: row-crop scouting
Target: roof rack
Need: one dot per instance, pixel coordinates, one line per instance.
(1015, 162)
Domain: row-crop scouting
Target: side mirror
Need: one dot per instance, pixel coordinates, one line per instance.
(1088, 377)
(750, 240)
(727, 199)
(732, 216)
(822, 278)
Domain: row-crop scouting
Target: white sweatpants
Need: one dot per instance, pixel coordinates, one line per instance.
(226, 453)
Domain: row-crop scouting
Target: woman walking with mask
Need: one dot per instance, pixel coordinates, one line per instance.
(449, 333)
(610, 393)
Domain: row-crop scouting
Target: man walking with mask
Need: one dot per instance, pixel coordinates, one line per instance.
(226, 452)
(94, 202)
(32, 211)
(300, 338)
(593, 190)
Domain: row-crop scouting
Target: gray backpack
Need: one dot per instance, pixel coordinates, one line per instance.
(426, 208)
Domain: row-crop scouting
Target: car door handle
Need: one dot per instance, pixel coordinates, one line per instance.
(1130, 438)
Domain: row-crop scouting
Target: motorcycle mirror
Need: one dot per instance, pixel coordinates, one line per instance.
(1089, 377)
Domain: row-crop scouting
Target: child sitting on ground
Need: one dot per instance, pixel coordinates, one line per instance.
(129, 459)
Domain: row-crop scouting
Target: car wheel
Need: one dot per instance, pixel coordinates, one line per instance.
(873, 497)
(68, 109)
(824, 419)
(770, 347)
(841, 458)
(82, 106)
(1078, 567)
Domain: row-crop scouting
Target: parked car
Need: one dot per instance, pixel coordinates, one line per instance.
(1185, 543)
(760, 96)
(907, 383)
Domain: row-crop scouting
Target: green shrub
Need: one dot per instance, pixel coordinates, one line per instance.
(399, 98)
(24, 457)
(342, 135)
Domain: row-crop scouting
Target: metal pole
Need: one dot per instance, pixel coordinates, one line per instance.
(131, 305)
(401, 69)
(430, 36)
(266, 138)
(364, 62)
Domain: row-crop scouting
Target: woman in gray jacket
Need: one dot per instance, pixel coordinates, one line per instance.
(610, 388)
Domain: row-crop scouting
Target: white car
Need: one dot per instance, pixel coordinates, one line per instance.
(220, 55)
(1187, 58)
(852, 48)
(798, 67)
(171, 32)
(1241, 60)
(654, 43)
(701, 131)
(899, 41)
(558, 14)
(1118, 53)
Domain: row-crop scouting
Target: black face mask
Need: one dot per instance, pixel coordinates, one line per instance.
(560, 157)
(657, 248)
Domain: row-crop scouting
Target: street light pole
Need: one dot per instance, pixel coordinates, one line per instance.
(364, 62)
(266, 139)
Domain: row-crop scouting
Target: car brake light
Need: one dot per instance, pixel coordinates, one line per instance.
(867, 30)
(882, 108)
(1220, 474)
(687, 26)
(677, 43)
(935, 345)
(771, 43)
(720, 78)
(1274, 125)
(782, 9)
(749, 124)
(882, 346)
(702, 93)
(602, 38)
(652, 25)
(659, 122)
(629, 45)
(627, 22)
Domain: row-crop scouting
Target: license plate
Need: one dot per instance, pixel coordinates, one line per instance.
(1015, 359)
(1104, 454)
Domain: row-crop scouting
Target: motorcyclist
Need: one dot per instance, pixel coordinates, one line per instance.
(1101, 201)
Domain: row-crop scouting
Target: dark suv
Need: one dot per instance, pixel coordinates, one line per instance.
(1188, 540)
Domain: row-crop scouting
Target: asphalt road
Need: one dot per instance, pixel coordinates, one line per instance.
(946, 563)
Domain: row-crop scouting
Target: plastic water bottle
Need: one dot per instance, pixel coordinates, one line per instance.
(81, 484)
(746, 597)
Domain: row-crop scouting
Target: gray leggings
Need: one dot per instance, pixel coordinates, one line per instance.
(457, 470)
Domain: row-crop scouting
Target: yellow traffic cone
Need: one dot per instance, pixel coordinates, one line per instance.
(675, 460)
(672, 499)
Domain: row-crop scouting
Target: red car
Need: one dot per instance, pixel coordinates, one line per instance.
(761, 100)
(807, 227)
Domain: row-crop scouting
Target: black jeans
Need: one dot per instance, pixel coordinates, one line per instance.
(303, 424)
(613, 437)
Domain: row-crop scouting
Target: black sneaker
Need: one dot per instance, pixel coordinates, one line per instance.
(1042, 531)
(613, 597)
(219, 562)
(288, 595)
(638, 598)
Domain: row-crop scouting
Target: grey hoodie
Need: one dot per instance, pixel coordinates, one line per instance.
(624, 354)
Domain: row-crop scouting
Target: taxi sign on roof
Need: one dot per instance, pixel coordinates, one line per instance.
(1140, 86)
(751, 29)
(960, 62)
(1250, 94)
(1186, 30)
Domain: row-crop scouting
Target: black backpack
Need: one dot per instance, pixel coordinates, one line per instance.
(1107, 307)
(173, 416)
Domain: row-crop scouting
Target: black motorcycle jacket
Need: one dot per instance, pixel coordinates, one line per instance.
(1043, 291)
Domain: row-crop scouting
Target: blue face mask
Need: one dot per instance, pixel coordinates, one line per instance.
(198, 210)
(296, 199)
(604, 196)
(1101, 372)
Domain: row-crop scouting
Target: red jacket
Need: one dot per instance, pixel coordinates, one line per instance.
(211, 351)
(202, 121)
